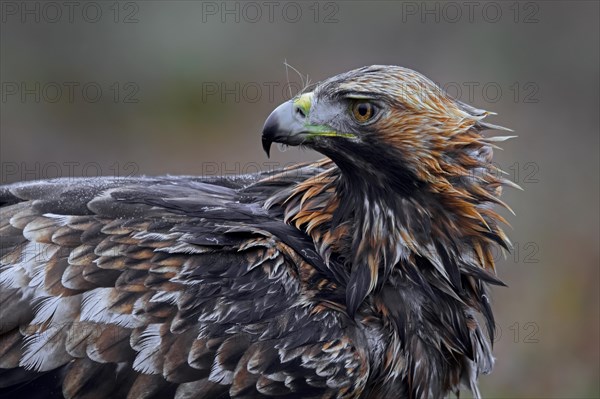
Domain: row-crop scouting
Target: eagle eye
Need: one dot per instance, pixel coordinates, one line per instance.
(362, 111)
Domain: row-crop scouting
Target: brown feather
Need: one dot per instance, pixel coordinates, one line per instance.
(11, 349)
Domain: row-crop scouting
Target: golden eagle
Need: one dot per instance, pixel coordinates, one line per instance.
(363, 275)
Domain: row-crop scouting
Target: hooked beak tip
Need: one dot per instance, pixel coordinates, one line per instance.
(266, 144)
(283, 126)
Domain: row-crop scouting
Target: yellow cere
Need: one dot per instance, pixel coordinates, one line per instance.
(304, 102)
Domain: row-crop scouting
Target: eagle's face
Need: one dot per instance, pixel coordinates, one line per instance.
(377, 120)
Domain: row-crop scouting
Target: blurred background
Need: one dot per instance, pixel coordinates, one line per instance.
(182, 87)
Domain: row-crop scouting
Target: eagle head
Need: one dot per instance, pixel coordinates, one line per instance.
(387, 124)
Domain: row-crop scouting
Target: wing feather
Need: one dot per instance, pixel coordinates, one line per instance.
(166, 287)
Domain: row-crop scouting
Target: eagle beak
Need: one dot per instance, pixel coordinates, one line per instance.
(285, 125)
(289, 124)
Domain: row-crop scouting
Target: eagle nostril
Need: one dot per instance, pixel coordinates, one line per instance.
(299, 111)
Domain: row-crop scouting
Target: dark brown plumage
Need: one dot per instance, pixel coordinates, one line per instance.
(360, 276)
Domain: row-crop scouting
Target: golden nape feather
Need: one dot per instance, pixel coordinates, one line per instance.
(364, 275)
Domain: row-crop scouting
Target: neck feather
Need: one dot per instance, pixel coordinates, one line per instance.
(367, 227)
